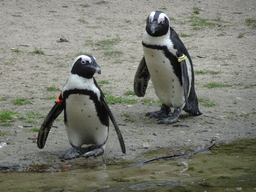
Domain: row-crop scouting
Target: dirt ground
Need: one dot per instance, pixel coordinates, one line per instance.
(219, 35)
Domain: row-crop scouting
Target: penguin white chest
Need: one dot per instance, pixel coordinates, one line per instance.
(165, 82)
(83, 124)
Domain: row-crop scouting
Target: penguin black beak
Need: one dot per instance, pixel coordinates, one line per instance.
(98, 70)
(152, 27)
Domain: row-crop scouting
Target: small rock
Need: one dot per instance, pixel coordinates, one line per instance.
(145, 145)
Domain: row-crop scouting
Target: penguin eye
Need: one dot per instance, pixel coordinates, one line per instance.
(161, 20)
(83, 62)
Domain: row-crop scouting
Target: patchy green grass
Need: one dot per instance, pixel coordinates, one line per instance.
(129, 93)
(118, 61)
(224, 64)
(248, 86)
(201, 72)
(184, 35)
(128, 21)
(130, 101)
(103, 82)
(84, 5)
(231, 112)
(250, 21)
(35, 129)
(215, 84)
(21, 101)
(113, 53)
(34, 115)
(89, 42)
(6, 124)
(245, 114)
(83, 21)
(52, 89)
(163, 8)
(196, 10)
(221, 35)
(106, 44)
(50, 98)
(147, 101)
(241, 35)
(32, 121)
(5, 133)
(159, 103)
(126, 114)
(7, 115)
(3, 99)
(10, 62)
(199, 23)
(112, 99)
(206, 102)
(16, 50)
(38, 51)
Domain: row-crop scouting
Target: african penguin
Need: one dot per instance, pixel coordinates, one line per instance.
(167, 62)
(86, 113)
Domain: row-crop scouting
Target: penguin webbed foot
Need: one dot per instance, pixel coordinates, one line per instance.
(162, 113)
(71, 153)
(172, 118)
(95, 152)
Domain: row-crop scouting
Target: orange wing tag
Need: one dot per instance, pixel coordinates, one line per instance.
(59, 99)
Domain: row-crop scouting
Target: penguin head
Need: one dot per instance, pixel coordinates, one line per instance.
(85, 66)
(158, 24)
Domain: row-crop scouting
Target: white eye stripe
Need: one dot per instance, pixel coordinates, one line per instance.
(151, 16)
(161, 18)
(84, 59)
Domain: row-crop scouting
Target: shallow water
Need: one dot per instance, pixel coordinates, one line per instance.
(229, 167)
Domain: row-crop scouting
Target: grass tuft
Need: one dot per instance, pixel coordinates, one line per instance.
(185, 35)
(21, 101)
(129, 93)
(112, 99)
(83, 21)
(113, 53)
(196, 10)
(206, 102)
(5, 134)
(7, 115)
(147, 101)
(52, 89)
(106, 44)
(102, 82)
(200, 72)
(241, 35)
(250, 21)
(38, 51)
(35, 129)
(214, 84)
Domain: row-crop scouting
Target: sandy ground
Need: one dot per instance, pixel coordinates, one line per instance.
(29, 25)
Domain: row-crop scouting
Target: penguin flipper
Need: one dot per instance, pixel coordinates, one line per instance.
(47, 124)
(118, 132)
(185, 79)
(141, 78)
(188, 87)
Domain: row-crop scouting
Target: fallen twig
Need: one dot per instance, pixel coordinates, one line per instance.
(171, 156)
